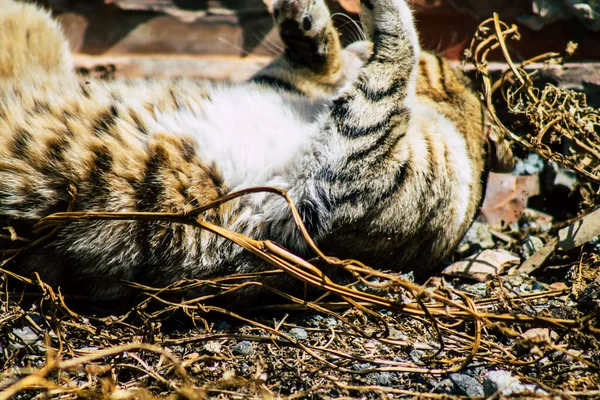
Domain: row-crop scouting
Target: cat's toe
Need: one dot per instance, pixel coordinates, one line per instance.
(310, 16)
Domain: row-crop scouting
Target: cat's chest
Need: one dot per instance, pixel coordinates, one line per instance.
(249, 134)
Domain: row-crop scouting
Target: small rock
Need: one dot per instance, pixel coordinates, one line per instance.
(445, 386)
(477, 237)
(245, 368)
(479, 290)
(14, 346)
(26, 334)
(331, 322)
(213, 347)
(501, 381)
(242, 348)
(316, 320)
(530, 246)
(506, 384)
(525, 288)
(538, 286)
(361, 366)
(540, 335)
(416, 355)
(562, 176)
(381, 378)
(298, 333)
(589, 299)
(531, 165)
(408, 276)
(596, 243)
(558, 286)
(465, 385)
(475, 371)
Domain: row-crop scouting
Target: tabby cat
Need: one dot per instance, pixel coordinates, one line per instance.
(382, 147)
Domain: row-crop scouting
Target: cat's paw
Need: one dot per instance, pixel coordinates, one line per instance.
(391, 17)
(308, 16)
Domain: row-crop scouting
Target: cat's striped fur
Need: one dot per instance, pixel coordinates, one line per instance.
(385, 161)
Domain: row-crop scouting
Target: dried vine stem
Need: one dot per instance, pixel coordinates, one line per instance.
(553, 114)
(308, 273)
(452, 308)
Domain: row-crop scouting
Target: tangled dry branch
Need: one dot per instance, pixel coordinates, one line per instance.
(463, 328)
(553, 115)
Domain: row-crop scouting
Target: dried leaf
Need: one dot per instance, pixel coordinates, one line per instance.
(506, 197)
(483, 265)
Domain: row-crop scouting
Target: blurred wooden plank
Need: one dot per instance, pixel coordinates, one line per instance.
(245, 27)
(169, 66)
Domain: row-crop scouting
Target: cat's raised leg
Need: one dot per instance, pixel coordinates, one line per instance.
(369, 118)
(357, 164)
(311, 61)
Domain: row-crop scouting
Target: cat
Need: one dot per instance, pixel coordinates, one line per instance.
(383, 148)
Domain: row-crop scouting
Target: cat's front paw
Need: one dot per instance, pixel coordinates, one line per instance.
(307, 16)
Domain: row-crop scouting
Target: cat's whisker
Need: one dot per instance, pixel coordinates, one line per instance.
(355, 35)
(235, 46)
(268, 43)
(359, 30)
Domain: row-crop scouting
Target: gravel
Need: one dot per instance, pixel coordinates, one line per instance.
(242, 348)
(298, 334)
(503, 382)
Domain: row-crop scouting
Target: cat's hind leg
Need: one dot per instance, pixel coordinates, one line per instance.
(369, 118)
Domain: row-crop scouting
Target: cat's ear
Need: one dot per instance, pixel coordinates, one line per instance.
(500, 154)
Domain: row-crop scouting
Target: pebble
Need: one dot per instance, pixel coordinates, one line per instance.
(316, 320)
(464, 385)
(361, 366)
(525, 288)
(416, 355)
(245, 368)
(533, 164)
(589, 299)
(507, 385)
(530, 246)
(538, 286)
(562, 176)
(330, 322)
(477, 237)
(408, 276)
(479, 290)
(213, 347)
(596, 243)
(242, 348)
(298, 333)
(381, 378)
(502, 381)
(445, 386)
(26, 334)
